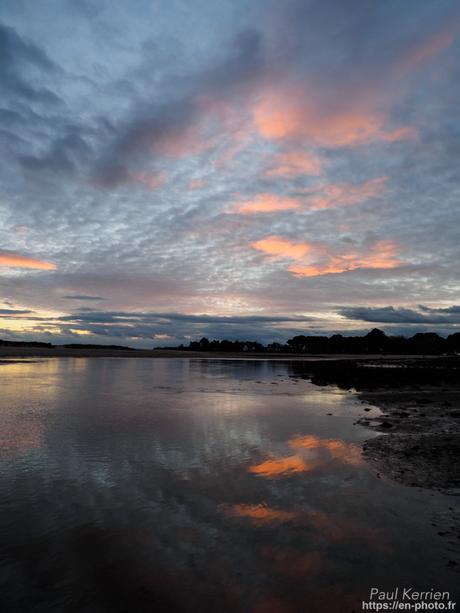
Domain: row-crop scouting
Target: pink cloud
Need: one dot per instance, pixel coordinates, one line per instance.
(16, 260)
(282, 247)
(292, 115)
(321, 197)
(266, 203)
(382, 255)
(317, 259)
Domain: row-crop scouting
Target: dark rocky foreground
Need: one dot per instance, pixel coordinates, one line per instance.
(420, 426)
(420, 403)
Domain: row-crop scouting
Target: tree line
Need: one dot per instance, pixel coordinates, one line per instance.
(376, 341)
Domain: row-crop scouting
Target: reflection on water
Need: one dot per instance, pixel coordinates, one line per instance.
(281, 467)
(193, 485)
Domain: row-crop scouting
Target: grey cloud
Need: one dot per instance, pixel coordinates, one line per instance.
(19, 61)
(134, 86)
(82, 297)
(173, 328)
(62, 157)
(129, 316)
(13, 312)
(150, 125)
(389, 314)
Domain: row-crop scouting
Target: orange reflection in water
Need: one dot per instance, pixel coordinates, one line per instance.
(281, 467)
(339, 450)
(261, 513)
(320, 451)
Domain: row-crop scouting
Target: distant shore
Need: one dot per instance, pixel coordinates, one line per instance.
(102, 352)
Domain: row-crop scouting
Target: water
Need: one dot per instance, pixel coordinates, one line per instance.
(132, 485)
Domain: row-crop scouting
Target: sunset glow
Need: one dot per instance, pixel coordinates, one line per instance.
(15, 260)
(261, 513)
(260, 163)
(267, 203)
(280, 467)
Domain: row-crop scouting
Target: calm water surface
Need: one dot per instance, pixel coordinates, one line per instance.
(132, 485)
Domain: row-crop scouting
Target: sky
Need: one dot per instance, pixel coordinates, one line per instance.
(230, 169)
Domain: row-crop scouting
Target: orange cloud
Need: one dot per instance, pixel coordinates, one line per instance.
(261, 513)
(281, 247)
(15, 260)
(290, 115)
(280, 467)
(345, 194)
(294, 163)
(267, 203)
(383, 255)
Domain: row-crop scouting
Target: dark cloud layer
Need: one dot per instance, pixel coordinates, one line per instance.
(389, 315)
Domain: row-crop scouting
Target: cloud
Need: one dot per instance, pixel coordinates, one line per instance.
(425, 50)
(197, 184)
(163, 317)
(177, 127)
(292, 115)
(16, 260)
(401, 315)
(266, 203)
(160, 328)
(319, 197)
(381, 254)
(82, 297)
(312, 103)
(20, 63)
(13, 312)
(343, 194)
(151, 181)
(281, 247)
(295, 163)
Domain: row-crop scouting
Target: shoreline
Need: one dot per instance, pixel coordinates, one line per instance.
(72, 352)
(419, 401)
(419, 428)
